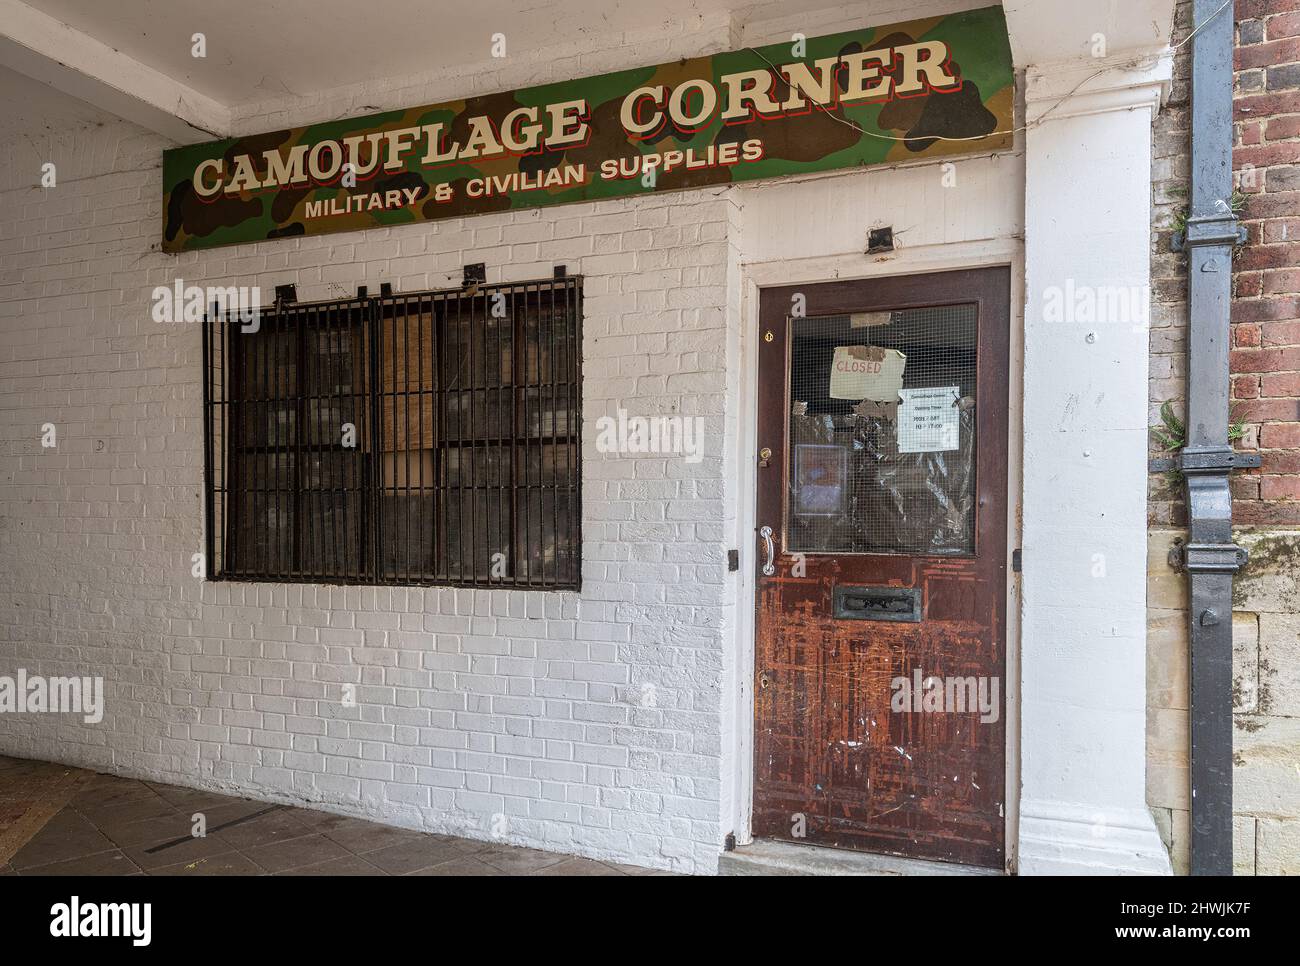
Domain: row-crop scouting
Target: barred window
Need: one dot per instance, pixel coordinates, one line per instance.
(425, 438)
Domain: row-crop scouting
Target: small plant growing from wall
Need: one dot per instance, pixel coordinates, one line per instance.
(1171, 434)
(1237, 202)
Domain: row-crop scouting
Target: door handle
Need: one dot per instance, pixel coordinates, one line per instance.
(769, 568)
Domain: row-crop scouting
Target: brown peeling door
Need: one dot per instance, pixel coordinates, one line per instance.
(880, 656)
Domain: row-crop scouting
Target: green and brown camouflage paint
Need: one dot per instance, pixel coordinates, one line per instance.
(977, 116)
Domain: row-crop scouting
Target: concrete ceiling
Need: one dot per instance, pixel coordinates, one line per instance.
(132, 58)
(270, 48)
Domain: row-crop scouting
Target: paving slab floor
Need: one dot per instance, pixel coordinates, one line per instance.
(59, 820)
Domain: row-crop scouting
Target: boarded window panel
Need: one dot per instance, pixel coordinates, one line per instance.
(407, 368)
(408, 373)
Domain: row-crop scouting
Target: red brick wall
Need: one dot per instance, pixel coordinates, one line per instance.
(1266, 305)
(1266, 380)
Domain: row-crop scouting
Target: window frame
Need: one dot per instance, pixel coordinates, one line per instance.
(551, 307)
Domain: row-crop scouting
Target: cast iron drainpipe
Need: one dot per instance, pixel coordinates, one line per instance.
(1210, 557)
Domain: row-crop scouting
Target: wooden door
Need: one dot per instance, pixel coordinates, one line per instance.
(882, 519)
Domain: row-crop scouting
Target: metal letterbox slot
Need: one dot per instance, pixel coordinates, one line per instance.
(878, 604)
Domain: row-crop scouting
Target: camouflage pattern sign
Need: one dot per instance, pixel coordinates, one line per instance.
(938, 86)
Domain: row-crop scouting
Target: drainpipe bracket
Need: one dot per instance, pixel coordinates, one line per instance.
(1214, 558)
(1205, 461)
(1214, 459)
(1217, 229)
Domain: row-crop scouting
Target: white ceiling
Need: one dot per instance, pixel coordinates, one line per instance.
(262, 49)
(132, 58)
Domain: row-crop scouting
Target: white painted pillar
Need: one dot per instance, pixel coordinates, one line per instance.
(1083, 650)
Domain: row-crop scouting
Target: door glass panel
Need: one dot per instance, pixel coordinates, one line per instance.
(882, 432)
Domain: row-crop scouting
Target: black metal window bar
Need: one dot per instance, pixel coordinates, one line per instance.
(427, 438)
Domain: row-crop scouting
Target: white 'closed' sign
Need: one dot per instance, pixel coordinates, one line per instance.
(867, 372)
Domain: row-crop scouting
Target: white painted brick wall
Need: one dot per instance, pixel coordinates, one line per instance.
(470, 703)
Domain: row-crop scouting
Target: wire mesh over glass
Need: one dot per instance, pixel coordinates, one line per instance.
(882, 432)
(429, 438)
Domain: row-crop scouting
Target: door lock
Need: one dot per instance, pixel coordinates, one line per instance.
(764, 455)
(764, 679)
